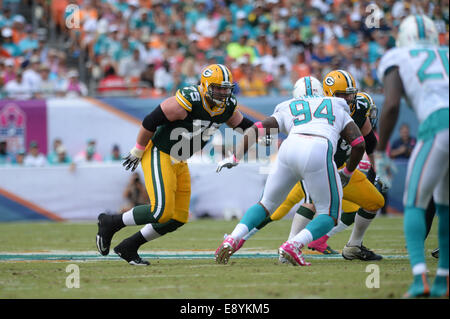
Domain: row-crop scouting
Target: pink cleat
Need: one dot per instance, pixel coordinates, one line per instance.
(321, 246)
(293, 253)
(225, 250)
(239, 245)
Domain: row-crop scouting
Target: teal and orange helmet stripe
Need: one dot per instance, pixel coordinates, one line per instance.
(420, 26)
(308, 86)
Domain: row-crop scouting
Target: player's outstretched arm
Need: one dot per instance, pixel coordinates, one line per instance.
(393, 91)
(250, 138)
(251, 135)
(168, 111)
(353, 136)
(239, 121)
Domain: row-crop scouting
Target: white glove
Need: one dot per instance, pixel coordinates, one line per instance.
(227, 162)
(380, 185)
(265, 140)
(345, 176)
(385, 168)
(133, 158)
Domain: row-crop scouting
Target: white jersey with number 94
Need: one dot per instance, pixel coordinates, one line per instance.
(322, 116)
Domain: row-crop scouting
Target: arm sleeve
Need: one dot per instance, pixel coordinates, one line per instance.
(155, 119)
(371, 142)
(245, 124)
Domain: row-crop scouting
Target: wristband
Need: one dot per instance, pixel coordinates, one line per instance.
(137, 152)
(357, 141)
(260, 128)
(347, 172)
(140, 147)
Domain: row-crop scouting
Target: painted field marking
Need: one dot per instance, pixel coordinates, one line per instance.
(95, 256)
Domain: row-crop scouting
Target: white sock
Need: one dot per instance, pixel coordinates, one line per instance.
(299, 223)
(251, 233)
(304, 237)
(149, 232)
(442, 272)
(239, 231)
(128, 218)
(361, 225)
(419, 269)
(337, 229)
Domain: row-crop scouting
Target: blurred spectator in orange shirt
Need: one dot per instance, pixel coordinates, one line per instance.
(300, 68)
(18, 29)
(250, 85)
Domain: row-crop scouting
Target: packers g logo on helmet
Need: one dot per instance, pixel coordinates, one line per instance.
(217, 84)
(207, 73)
(329, 80)
(342, 83)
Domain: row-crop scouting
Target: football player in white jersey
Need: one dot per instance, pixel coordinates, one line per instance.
(314, 123)
(418, 70)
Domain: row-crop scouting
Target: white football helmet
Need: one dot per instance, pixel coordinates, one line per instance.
(415, 30)
(307, 86)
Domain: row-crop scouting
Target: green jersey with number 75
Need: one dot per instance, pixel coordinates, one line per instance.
(181, 139)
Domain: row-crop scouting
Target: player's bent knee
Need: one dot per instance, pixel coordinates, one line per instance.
(268, 206)
(374, 204)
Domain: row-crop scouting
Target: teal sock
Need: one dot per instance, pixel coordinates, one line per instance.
(442, 212)
(320, 226)
(415, 229)
(254, 216)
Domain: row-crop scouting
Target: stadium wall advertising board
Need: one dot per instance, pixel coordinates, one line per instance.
(57, 193)
(22, 122)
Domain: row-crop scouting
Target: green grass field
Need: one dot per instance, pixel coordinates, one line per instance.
(246, 276)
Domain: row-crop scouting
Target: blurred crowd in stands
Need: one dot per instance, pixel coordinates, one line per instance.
(150, 48)
(57, 155)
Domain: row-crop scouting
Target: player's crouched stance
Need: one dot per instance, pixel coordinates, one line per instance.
(314, 124)
(164, 142)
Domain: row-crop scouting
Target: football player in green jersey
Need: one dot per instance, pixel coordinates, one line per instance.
(180, 126)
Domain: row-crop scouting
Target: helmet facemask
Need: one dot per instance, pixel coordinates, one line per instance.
(219, 93)
(349, 96)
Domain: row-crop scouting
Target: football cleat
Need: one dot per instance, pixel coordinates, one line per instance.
(282, 259)
(129, 254)
(419, 287)
(435, 253)
(105, 233)
(225, 250)
(239, 245)
(440, 287)
(321, 246)
(359, 252)
(293, 254)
